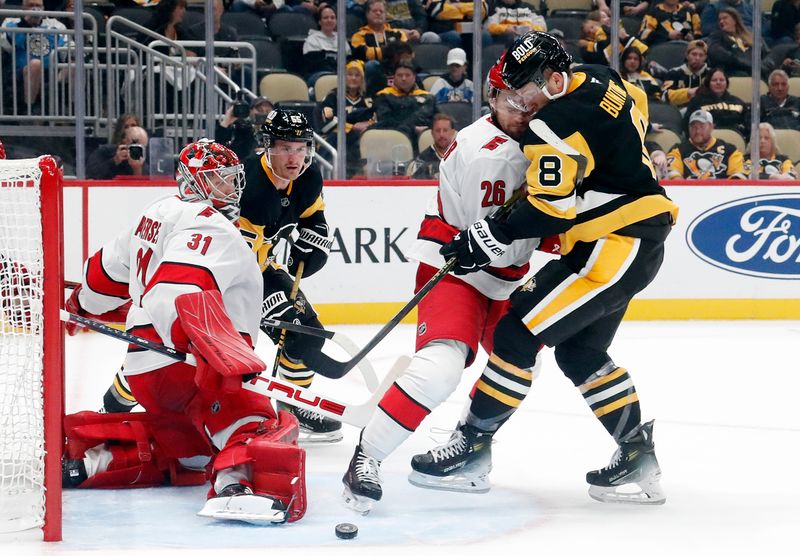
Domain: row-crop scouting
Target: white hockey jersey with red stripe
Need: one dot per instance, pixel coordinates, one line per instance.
(175, 247)
(480, 171)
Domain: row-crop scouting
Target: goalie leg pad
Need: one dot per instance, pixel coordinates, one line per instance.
(143, 450)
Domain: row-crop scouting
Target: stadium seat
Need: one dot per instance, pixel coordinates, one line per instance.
(730, 136)
(353, 23)
(324, 85)
(428, 82)
(379, 146)
(491, 54)
(742, 87)
(425, 140)
(559, 6)
(794, 86)
(245, 23)
(669, 54)
(666, 139)
(140, 16)
(290, 24)
(283, 86)
(268, 54)
(460, 111)
(665, 114)
(569, 25)
(432, 57)
(631, 24)
(789, 142)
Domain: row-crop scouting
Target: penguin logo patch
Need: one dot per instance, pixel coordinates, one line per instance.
(530, 285)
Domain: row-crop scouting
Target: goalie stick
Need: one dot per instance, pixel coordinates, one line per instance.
(356, 415)
(329, 367)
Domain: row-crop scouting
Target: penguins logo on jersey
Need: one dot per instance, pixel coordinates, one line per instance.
(705, 165)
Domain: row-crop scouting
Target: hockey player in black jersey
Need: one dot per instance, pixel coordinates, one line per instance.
(591, 181)
(283, 193)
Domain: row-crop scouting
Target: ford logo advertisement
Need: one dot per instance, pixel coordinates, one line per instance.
(757, 236)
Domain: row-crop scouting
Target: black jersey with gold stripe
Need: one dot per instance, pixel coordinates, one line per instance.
(269, 214)
(590, 174)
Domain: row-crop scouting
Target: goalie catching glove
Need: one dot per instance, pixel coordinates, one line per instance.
(224, 359)
(476, 247)
(312, 248)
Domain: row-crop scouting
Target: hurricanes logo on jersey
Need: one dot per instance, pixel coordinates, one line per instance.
(422, 329)
(705, 165)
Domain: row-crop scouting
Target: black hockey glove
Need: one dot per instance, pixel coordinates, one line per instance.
(476, 247)
(312, 247)
(277, 306)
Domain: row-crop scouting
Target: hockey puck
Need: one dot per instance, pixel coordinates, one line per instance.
(346, 531)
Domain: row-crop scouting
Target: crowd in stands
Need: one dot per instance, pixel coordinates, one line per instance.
(407, 64)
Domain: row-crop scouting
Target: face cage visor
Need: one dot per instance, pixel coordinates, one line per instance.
(222, 186)
(522, 99)
(283, 151)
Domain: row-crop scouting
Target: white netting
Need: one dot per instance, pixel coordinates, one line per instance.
(21, 347)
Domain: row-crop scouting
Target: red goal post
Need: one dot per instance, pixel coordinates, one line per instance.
(31, 345)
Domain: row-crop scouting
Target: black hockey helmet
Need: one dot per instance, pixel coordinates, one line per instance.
(527, 58)
(286, 125)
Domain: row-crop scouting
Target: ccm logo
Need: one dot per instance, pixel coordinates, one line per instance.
(297, 394)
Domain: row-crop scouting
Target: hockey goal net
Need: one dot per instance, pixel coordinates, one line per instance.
(31, 345)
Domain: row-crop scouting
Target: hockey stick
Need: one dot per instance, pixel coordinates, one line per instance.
(292, 297)
(331, 368)
(356, 415)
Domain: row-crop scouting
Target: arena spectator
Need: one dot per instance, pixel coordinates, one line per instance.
(595, 41)
(702, 156)
(454, 87)
(445, 18)
(167, 20)
(381, 74)
(681, 83)
(426, 165)
(634, 8)
(709, 15)
(321, 45)
(668, 21)
(403, 105)
(778, 107)
(122, 124)
(771, 165)
(791, 64)
(238, 132)
(197, 32)
(730, 46)
(729, 111)
(786, 16)
(512, 18)
(407, 15)
(262, 8)
(127, 158)
(369, 41)
(359, 108)
(31, 51)
(632, 71)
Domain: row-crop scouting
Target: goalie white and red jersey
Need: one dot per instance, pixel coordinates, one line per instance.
(480, 171)
(176, 247)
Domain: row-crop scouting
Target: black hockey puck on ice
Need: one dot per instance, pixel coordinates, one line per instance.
(346, 531)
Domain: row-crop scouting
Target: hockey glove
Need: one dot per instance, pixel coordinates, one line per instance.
(312, 247)
(73, 305)
(476, 247)
(277, 306)
(550, 244)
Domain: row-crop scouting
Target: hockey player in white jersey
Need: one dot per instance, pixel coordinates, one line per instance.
(479, 172)
(192, 281)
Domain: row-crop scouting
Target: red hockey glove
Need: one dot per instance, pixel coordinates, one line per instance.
(73, 305)
(550, 244)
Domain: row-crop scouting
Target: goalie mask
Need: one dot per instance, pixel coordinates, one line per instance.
(208, 171)
(524, 64)
(286, 134)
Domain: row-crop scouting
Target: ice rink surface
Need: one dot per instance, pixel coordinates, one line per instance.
(727, 435)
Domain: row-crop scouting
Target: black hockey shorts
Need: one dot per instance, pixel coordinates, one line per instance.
(296, 344)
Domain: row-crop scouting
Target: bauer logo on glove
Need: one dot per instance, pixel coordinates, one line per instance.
(476, 247)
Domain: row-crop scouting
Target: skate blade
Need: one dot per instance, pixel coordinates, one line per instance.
(306, 437)
(648, 494)
(359, 504)
(249, 508)
(470, 483)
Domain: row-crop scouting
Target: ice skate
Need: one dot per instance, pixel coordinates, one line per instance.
(73, 472)
(633, 475)
(237, 502)
(362, 482)
(462, 464)
(314, 428)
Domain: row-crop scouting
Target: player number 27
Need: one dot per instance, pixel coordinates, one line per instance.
(494, 193)
(199, 241)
